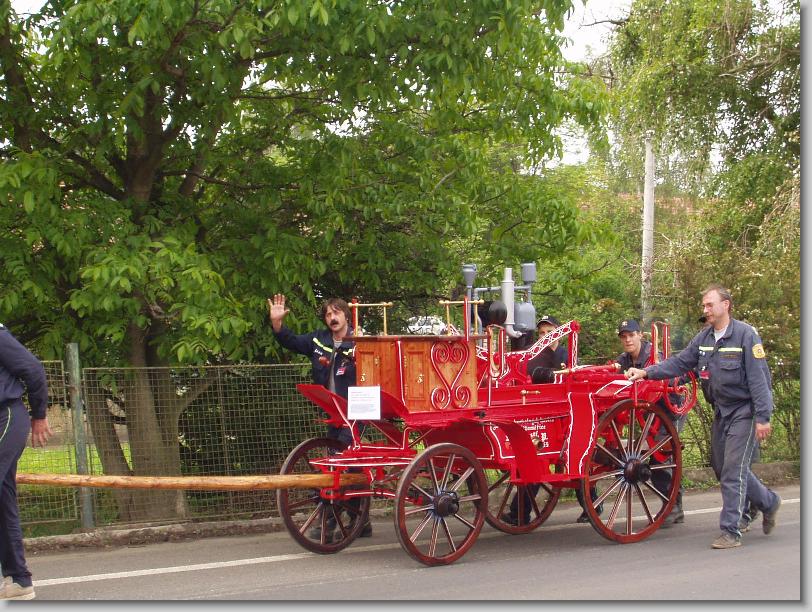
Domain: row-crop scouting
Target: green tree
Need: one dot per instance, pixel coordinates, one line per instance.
(717, 80)
(166, 166)
(719, 83)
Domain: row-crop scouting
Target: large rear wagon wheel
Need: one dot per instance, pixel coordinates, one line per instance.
(533, 504)
(440, 505)
(320, 525)
(637, 448)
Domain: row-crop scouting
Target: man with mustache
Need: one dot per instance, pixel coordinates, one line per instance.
(331, 354)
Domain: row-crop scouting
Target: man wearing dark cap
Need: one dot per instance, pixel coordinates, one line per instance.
(554, 357)
(636, 354)
(541, 370)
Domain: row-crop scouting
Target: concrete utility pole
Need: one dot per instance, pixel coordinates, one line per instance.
(648, 231)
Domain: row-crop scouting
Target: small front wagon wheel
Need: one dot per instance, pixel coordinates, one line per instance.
(320, 525)
(440, 506)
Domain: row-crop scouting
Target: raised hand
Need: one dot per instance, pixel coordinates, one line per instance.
(277, 310)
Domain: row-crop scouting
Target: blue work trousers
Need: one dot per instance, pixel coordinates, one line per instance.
(733, 442)
(15, 425)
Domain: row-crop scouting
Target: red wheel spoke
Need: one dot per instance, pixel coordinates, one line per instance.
(623, 454)
(447, 472)
(452, 545)
(616, 506)
(629, 515)
(420, 527)
(655, 448)
(644, 433)
(644, 502)
(433, 540)
(614, 457)
(463, 478)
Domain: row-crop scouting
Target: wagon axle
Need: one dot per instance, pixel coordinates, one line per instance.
(446, 503)
(636, 471)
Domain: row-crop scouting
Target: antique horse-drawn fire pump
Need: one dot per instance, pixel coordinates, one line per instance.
(462, 431)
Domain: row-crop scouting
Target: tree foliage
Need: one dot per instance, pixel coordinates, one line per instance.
(167, 165)
(717, 81)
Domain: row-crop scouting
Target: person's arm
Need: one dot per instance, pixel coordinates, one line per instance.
(673, 367)
(758, 380)
(277, 311)
(24, 365)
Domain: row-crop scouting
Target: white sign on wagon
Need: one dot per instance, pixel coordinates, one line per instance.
(364, 403)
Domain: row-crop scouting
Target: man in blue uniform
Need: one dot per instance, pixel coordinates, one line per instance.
(20, 372)
(729, 356)
(331, 354)
(636, 353)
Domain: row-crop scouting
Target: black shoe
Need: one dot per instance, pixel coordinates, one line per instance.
(366, 532)
(675, 516)
(748, 519)
(508, 518)
(584, 518)
(768, 522)
(315, 534)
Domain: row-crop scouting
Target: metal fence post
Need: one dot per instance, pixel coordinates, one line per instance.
(80, 441)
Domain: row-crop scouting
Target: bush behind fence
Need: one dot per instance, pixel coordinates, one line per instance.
(219, 421)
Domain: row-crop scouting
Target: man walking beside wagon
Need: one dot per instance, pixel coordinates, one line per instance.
(729, 357)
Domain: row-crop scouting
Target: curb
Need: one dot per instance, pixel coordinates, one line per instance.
(777, 473)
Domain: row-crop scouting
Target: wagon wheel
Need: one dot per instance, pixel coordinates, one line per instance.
(440, 504)
(684, 390)
(320, 525)
(636, 468)
(534, 500)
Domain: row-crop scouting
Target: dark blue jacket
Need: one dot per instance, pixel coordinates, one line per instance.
(318, 346)
(21, 371)
(625, 360)
(733, 370)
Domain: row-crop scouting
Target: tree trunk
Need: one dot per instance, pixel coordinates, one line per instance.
(153, 448)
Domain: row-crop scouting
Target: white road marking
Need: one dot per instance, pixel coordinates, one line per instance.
(291, 557)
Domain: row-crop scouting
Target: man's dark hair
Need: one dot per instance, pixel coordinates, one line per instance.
(723, 293)
(337, 304)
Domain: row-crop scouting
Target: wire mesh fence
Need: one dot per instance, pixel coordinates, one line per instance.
(207, 421)
(46, 504)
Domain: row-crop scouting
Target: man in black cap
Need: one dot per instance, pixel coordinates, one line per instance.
(541, 370)
(554, 357)
(636, 354)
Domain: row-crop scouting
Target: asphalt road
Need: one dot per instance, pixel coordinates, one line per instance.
(560, 561)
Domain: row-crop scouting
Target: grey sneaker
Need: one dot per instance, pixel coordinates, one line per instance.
(727, 540)
(768, 523)
(748, 519)
(13, 591)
